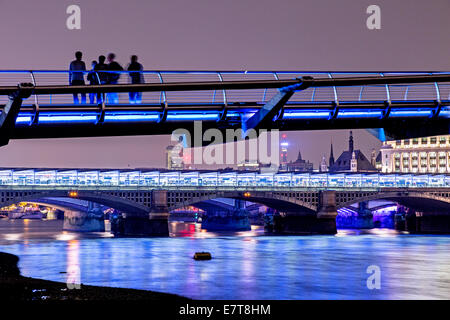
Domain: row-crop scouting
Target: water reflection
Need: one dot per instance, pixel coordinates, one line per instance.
(245, 265)
(73, 265)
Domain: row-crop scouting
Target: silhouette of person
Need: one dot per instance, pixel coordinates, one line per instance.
(76, 75)
(93, 79)
(135, 72)
(113, 77)
(101, 69)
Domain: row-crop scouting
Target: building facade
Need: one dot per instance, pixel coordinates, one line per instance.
(284, 152)
(417, 155)
(248, 165)
(174, 158)
(300, 165)
(351, 160)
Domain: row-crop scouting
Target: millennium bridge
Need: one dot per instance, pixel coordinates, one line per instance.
(394, 105)
(308, 202)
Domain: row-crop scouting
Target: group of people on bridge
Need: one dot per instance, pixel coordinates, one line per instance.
(104, 73)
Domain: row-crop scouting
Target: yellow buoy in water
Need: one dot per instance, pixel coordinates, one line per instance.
(202, 256)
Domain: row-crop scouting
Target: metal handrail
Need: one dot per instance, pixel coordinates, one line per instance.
(408, 94)
(235, 85)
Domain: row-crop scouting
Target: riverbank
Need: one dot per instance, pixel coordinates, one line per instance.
(15, 287)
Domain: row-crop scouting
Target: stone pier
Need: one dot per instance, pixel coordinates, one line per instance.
(364, 219)
(92, 220)
(153, 224)
(230, 220)
(322, 222)
(428, 222)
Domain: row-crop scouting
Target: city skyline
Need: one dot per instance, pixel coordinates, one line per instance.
(209, 41)
(85, 153)
(303, 201)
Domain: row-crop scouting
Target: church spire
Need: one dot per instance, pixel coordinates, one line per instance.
(331, 160)
(350, 142)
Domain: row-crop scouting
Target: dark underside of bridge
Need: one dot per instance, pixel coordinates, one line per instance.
(421, 204)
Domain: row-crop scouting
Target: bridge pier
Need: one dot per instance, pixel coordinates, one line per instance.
(91, 221)
(364, 219)
(233, 220)
(154, 224)
(295, 224)
(428, 222)
(323, 222)
(132, 225)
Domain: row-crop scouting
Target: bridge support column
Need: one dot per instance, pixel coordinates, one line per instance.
(136, 225)
(323, 222)
(228, 220)
(327, 212)
(428, 222)
(154, 224)
(91, 221)
(297, 224)
(364, 219)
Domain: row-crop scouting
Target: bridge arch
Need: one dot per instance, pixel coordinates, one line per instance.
(105, 198)
(285, 202)
(419, 200)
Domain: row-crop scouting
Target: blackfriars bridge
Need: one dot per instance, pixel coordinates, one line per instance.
(308, 202)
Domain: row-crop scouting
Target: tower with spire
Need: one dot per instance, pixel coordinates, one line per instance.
(331, 160)
(350, 160)
(300, 164)
(350, 142)
(284, 152)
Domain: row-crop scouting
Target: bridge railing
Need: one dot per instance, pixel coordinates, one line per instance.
(366, 93)
(340, 102)
(173, 179)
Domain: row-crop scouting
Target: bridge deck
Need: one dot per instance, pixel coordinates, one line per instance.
(51, 112)
(107, 179)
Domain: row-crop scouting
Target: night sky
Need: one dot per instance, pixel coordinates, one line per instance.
(215, 35)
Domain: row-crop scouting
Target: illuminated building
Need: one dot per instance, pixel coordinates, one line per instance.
(174, 158)
(284, 150)
(300, 165)
(323, 165)
(417, 155)
(248, 165)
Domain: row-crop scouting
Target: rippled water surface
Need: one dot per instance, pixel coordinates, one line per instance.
(245, 265)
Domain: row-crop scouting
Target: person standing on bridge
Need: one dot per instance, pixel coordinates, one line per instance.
(135, 72)
(76, 75)
(113, 77)
(101, 69)
(93, 79)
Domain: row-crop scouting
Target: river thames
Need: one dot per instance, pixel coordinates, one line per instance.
(245, 265)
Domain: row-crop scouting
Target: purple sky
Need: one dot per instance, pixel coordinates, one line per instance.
(212, 34)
